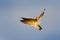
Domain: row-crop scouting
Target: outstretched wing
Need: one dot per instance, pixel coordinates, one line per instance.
(40, 16)
(27, 18)
(27, 21)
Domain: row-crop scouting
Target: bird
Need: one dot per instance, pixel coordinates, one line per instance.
(34, 22)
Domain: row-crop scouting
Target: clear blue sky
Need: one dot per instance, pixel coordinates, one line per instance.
(11, 12)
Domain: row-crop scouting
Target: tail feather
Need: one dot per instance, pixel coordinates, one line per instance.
(40, 28)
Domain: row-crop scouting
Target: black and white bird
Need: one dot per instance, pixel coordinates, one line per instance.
(33, 21)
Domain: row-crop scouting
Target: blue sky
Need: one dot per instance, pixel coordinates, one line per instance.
(11, 12)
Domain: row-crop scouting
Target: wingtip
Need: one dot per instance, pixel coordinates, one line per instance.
(22, 17)
(40, 28)
(44, 9)
(21, 20)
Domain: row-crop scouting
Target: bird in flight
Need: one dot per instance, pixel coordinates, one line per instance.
(33, 21)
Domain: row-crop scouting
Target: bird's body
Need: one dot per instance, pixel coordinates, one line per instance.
(33, 21)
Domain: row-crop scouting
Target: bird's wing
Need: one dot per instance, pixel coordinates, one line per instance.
(29, 22)
(27, 18)
(40, 16)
